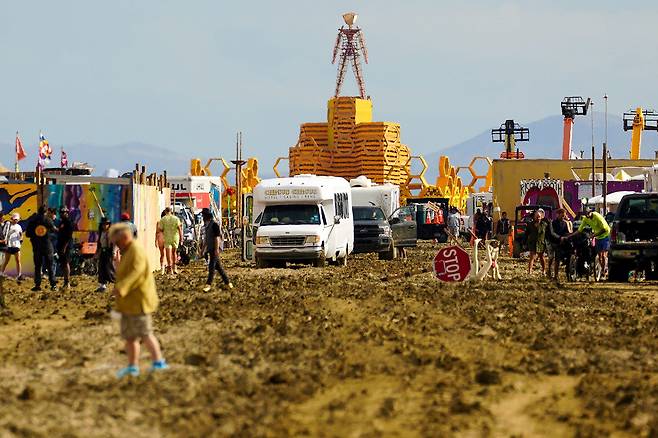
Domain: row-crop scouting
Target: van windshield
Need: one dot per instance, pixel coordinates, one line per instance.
(304, 214)
(368, 214)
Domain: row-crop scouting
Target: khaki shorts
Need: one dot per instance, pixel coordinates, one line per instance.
(136, 326)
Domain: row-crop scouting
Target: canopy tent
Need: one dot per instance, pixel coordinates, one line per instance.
(611, 198)
(622, 175)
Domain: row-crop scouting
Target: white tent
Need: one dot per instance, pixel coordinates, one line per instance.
(612, 198)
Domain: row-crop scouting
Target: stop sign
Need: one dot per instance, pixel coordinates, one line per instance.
(452, 263)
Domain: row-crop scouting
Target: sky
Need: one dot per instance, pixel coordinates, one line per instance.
(187, 75)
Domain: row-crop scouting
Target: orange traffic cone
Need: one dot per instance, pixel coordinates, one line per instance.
(510, 243)
(439, 217)
(428, 219)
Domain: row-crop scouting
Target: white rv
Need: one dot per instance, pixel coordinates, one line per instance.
(366, 193)
(305, 218)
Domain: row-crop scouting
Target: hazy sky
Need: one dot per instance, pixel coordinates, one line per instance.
(187, 74)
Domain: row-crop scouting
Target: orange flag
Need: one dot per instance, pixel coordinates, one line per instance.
(20, 152)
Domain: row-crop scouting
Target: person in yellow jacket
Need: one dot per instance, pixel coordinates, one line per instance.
(136, 300)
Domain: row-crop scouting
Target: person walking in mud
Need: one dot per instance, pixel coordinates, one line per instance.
(4, 232)
(503, 230)
(14, 240)
(212, 247)
(536, 235)
(64, 244)
(136, 300)
(172, 230)
(483, 226)
(105, 254)
(38, 231)
(159, 243)
(556, 234)
(454, 223)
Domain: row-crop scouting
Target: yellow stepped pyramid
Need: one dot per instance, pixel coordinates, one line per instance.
(351, 144)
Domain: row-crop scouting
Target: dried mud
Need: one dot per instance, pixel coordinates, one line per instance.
(374, 349)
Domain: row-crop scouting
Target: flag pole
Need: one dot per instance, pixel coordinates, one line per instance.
(16, 154)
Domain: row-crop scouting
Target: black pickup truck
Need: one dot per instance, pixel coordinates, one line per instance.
(634, 237)
(373, 232)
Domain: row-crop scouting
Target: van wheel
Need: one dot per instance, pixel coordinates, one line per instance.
(260, 263)
(342, 261)
(320, 262)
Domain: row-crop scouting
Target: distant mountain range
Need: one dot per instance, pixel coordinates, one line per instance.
(545, 141)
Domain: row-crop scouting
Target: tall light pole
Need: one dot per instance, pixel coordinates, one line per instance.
(604, 189)
(591, 111)
(239, 162)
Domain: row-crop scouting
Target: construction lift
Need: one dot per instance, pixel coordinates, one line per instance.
(572, 106)
(639, 121)
(510, 133)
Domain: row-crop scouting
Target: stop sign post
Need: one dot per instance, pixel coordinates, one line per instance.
(452, 263)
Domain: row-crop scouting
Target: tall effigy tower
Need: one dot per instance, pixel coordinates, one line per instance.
(350, 144)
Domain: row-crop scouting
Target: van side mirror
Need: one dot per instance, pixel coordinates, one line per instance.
(336, 219)
(394, 220)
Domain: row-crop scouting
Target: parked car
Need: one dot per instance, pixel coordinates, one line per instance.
(634, 237)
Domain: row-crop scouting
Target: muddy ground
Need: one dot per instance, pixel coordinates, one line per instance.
(374, 349)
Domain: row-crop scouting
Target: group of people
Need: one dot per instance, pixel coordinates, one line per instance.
(482, 225)
(120, 261)
(135, 289)
(548, 237)
(49, 235)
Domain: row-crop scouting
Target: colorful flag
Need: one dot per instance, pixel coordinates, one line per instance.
(20, 152)
(45, 152)
(63, 160)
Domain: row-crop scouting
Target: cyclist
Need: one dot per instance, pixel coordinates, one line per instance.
(601, 231)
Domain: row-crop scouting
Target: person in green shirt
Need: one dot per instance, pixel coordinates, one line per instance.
(601, 231)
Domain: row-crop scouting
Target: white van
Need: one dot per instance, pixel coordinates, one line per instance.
(305, 218)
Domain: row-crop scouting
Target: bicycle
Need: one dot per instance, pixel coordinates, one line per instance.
(583, 261)
(83, 261)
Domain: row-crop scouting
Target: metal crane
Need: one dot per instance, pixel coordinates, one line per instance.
(510, 133)
(572, 106)
(639, 121)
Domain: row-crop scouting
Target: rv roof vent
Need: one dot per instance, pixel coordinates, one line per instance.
(361, 181)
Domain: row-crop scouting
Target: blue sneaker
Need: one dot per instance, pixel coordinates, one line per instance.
(159, 365)
(130, 370)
